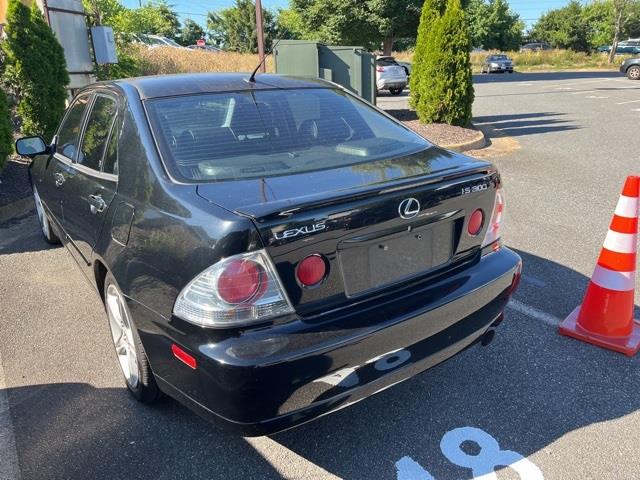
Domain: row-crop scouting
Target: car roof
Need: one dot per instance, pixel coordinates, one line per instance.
(195, 83)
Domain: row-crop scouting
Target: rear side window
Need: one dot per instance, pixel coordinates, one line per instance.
(242, 135)
(386, 62)
(96, 133)
(69, 132)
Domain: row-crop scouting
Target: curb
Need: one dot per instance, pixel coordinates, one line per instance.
(15, 209)
(477, 142)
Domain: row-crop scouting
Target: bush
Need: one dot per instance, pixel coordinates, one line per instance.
(35, 69)
(6, 136)
(445, 90)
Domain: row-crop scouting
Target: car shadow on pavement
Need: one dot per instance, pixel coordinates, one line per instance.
(528, 389)
(544, 76)
(21, 234)
(517, 125)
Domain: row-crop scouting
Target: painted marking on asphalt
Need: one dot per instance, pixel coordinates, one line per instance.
(630, 101)
(582, 92)
(9, 469)
(491, 456)
(534, 313)
(594, 96)
(564, 88)
(482, 464)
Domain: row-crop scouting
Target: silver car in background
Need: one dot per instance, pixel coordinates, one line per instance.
(390, 75)
(498, 63)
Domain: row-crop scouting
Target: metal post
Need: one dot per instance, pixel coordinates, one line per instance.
(260, 32)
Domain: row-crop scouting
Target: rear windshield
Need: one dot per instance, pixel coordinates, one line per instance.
(243, 135)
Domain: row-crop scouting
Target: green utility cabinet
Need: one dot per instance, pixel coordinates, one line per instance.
(352, 67)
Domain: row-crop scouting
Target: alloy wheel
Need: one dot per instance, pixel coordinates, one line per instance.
(122, 333)
(634, 73)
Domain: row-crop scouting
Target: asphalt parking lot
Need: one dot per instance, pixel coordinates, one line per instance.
(552, 407)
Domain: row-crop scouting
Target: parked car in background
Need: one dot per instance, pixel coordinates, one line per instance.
(390, 75)
(631, 68)
(154, 41)
(204, 48)
(407, 67)
(270, 251)
(535, 47)
(497, 63)
(626, 47)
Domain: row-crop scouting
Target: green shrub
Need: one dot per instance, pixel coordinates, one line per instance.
(6, 136)
(35, 69)
(432, 10)
(445, 91)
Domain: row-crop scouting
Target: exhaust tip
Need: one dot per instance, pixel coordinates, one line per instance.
(488, 337)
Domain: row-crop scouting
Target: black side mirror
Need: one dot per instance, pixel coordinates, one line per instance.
(32, 146)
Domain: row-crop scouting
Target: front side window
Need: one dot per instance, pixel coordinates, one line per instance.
(69, 132)
(96, 132)
(240, 135)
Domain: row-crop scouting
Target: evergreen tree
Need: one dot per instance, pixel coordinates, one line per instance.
(35, 69)
(6, 136)
(445, 92)
(432, 10)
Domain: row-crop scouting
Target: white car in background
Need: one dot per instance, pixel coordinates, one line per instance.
(390, 75)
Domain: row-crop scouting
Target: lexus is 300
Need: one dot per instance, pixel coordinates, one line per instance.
(270, 250)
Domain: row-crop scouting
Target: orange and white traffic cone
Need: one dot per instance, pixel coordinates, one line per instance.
(605, 317)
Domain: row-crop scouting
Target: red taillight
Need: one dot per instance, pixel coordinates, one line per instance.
(183, 356)
(380, 69)
(476, 220)
(311, 270)
(241, 281)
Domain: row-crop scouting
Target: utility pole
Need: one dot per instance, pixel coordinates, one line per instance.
(260, 32)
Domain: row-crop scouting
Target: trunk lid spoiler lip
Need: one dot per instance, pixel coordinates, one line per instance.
(281, 209)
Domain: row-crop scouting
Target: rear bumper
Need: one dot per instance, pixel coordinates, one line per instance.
(387, 84)
(500, 69)
(275, 377)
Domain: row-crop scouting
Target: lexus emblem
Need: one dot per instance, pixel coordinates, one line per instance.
(409, 208)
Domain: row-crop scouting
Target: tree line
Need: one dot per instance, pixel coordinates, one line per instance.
(380, 25)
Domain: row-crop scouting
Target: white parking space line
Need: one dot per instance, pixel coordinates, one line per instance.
(534, 313)
(630, 101)
(595, 96)
(9, 469)
(583, 92)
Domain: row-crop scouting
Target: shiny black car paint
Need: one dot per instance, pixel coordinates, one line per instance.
(157, 234)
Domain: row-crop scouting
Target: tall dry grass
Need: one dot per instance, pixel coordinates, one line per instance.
(167, 60)
(547, 60)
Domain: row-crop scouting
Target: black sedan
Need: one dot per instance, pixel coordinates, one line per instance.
(269, 251)
(497, 64)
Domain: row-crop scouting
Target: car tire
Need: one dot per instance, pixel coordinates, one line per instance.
(395, 91)
(45, 225)
(130, 353)
(633, 72)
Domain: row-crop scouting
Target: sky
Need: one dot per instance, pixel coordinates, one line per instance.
(529, 10)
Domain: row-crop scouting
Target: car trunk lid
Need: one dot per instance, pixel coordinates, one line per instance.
(377, 224)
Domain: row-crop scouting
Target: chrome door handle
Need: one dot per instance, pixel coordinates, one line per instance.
(59, 179)
(97, 204)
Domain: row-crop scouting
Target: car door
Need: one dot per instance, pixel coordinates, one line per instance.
(50, 182)
(91, 186)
